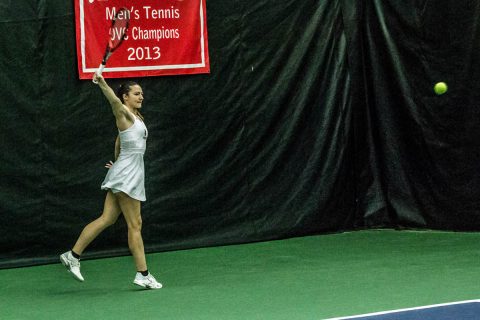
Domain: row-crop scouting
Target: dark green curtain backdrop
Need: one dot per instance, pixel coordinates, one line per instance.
(318, 116)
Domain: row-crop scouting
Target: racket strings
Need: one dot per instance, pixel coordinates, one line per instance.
(119, 29)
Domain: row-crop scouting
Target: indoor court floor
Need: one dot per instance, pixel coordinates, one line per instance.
(315, 277)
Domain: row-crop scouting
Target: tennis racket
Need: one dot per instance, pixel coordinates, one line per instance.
(117, 34)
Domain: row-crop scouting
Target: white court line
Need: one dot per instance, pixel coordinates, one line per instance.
(407, 309)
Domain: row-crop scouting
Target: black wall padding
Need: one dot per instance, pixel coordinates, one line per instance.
(318, 116)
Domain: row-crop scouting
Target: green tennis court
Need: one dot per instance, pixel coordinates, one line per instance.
(311, 278)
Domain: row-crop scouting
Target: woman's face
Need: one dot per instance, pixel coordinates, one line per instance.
(134, 98)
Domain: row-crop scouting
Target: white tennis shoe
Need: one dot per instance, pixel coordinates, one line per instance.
(148, 282)
(72, 264)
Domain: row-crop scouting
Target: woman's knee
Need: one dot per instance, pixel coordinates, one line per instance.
(135, 224)
(108, 220)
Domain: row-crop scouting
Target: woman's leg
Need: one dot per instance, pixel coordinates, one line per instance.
(111, 212)
(131, 211)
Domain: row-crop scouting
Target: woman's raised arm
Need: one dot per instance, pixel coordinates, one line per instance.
(118, 109)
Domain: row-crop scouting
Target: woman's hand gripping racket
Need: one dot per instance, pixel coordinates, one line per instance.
(118, 30)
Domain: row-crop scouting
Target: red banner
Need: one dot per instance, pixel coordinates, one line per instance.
(165, 37)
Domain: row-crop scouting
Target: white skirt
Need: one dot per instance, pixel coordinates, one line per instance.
(127, 175)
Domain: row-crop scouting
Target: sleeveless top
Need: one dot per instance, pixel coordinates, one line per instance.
(127, 173)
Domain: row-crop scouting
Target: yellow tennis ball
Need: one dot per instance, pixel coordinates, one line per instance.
(440, 88)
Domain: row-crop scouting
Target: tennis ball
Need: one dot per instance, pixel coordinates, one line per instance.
(440, 88)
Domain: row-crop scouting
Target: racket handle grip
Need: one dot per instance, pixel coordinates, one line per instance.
(99, 72)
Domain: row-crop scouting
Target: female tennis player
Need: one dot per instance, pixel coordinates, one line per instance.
(124, 182)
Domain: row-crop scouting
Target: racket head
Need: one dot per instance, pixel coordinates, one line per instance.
(117, 34)
(118, 29)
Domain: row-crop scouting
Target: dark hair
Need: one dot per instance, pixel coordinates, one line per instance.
(124, 88)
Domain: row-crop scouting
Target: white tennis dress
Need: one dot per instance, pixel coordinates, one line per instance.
(127, 173)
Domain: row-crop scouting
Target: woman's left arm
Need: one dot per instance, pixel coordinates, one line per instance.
(117, 147)
(116, 154)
